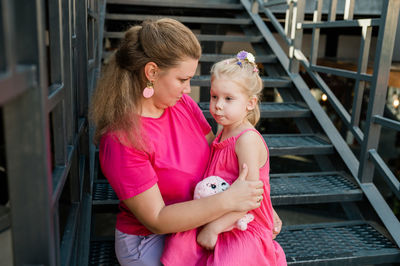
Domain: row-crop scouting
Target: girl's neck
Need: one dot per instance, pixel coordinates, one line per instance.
(234, 129)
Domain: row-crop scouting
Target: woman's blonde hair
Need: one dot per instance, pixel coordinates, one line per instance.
(116, 102)
(246, 75)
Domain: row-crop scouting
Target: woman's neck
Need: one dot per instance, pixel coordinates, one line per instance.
(149, 109)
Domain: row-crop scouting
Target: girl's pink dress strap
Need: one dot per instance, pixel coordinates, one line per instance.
(254, 130)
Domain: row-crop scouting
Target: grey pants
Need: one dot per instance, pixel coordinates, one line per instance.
(138, 250)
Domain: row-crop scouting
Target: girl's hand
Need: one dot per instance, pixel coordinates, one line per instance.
(277, 225)
(244, 195)
(207, 238)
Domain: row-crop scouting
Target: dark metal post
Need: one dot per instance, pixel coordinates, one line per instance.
(377, 96)
(28, 144)
(296, 34)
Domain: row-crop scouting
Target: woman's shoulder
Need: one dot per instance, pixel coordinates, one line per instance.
(112, 143)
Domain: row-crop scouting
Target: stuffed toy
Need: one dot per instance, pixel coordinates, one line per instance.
(212, 185)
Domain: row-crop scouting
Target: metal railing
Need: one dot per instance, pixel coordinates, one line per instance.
(49, 57)
(363, 167)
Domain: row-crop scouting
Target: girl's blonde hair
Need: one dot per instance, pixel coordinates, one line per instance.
(246, 75)
(116, 102)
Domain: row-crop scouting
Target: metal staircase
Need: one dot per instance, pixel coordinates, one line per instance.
(296, 126)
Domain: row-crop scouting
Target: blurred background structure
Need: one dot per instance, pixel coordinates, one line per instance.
(330, 116)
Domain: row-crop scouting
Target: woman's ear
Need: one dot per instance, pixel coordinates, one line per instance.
(150, 71)
(251, 104)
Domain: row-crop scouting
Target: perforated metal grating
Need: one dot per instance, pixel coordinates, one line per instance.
(103, 191)
(264, 106)
(321, 242)
(298, 184)
(340, 243)
(287, 185)
(102, 253)
(294, 141)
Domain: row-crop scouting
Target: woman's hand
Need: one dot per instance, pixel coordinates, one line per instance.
(244, 195)
(277, 225)
(207, 238)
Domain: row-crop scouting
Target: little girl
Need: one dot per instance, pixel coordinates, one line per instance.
(235, 88)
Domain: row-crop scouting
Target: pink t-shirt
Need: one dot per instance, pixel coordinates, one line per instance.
(177, 160)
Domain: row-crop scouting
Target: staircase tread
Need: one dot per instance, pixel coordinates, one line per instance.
(208, 4)
(183, 19)
(297, 144)
(346, 242)
(205, 57)
(270, 109)
(302, 188)
(268, 82)
(339, 241)
(217, 57)
(285, 189)
(202, 37)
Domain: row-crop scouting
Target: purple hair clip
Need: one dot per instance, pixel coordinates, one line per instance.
(246, 56)
(242, 55)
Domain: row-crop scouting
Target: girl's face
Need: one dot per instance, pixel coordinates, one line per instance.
(229, 104)
(171, 84)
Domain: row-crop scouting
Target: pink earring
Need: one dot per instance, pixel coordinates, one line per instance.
(149, 90)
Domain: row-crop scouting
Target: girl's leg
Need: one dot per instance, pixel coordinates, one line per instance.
(138, 250)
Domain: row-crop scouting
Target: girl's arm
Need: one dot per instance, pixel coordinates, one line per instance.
(150, 209)
(251, 151)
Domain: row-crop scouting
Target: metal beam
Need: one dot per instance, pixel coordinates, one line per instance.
(28, 146)
(377, 95)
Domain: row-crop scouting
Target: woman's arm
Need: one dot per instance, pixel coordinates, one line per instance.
(251, 151)
(210, 137)
(150, 209)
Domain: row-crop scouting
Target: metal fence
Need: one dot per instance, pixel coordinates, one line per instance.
(48, 63)
(361, 167)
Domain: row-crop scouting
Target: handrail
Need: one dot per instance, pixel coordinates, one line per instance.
(385, 172)
(362, 169)
(340, 24)
(275, 22)
(386, 122)
(272, 3)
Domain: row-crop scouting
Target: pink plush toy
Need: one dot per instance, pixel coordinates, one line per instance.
(212, 185)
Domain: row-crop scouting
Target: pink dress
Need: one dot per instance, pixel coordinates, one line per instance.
(253, 246)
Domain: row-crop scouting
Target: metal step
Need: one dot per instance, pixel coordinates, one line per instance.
(270, 110)
(304, 188)
(102, 252)
(183, 19)
(204, 4)
(203, 37)
(268, 82)
(218, 57)
(103, 194)
(343, 243)
(286, 189)
(297, 144)
(212, 58)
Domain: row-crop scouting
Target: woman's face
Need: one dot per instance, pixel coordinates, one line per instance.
(171, 84)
